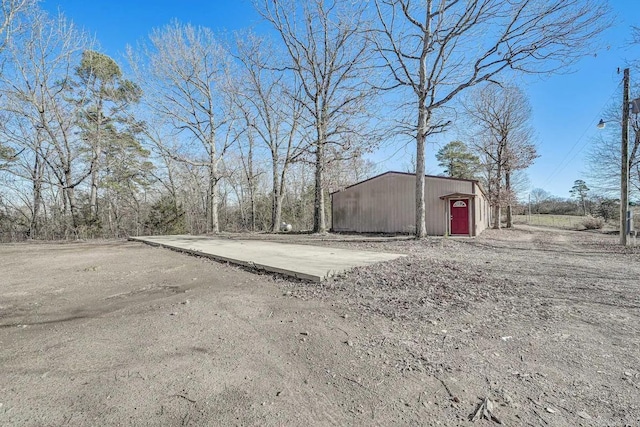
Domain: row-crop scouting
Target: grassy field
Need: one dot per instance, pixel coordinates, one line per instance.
(572, 222)
(567, 222)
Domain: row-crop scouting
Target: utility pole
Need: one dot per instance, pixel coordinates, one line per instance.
(624, 162)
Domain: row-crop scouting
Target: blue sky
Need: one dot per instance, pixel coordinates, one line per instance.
(566, 107)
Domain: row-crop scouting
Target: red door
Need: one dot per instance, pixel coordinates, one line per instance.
(459, 216)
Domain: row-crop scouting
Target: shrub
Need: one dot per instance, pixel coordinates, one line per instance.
(591, 223)
(608, 209)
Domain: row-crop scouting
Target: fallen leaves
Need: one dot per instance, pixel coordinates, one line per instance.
(484, 410)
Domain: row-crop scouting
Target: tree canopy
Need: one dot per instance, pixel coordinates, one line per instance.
(202, 133)
(458, 161)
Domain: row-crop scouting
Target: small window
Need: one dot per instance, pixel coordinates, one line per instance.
(459, 204)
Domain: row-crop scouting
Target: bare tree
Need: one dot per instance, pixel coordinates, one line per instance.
(603, 164)
(603, 156)
(329, 57)
(185, 72)
(537, 197)
(10, 12)
(504, 140)
(341, 174)
(250, 171)
(42, 120)
(272, 110)
(436, 49)
(635, 34)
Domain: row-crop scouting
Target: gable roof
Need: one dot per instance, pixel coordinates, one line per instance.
(410, 174)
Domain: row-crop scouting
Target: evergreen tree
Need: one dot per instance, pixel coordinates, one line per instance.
(105, 97)
(458, 161)
(580, 192)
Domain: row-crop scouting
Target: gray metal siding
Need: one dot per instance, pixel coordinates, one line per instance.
(482, 213)
(437, 211)
(382, 205)
(386, 204)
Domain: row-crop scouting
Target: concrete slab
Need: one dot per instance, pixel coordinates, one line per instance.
(314, 263)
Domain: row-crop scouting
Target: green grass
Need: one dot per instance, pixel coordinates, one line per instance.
(568, 222)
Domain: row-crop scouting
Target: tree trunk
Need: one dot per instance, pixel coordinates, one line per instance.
(172, 188)
(112, 227)
(276, 197)
(95, 164)
(421, 227)
(252, 184)
(634, 150)
(213, 224)
(93, 199)
(319, 225)
(276, 212)
(70, 196)
(37, 197)
(281, 191)
(421, 135)
(497, 209)
(137, 218)
(34, 230)
(497, 217)
(507, 187)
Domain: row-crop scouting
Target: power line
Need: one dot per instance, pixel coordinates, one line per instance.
(563, 163)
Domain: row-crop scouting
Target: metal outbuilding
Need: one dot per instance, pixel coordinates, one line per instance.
(386, 204)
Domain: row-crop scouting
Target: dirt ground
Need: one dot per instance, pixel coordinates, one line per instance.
(543, 323)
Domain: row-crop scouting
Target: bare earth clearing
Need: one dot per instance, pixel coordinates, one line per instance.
(545, 323)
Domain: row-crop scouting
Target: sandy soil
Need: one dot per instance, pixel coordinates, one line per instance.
(543, 323)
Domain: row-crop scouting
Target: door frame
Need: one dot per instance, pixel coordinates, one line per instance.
(450, 215)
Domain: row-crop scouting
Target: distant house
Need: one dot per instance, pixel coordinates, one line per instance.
(386, 204)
